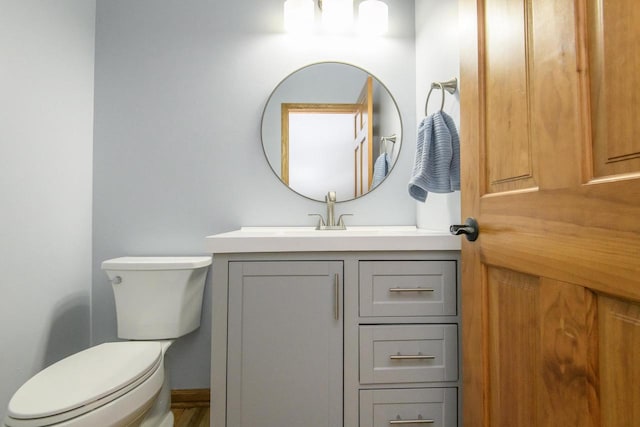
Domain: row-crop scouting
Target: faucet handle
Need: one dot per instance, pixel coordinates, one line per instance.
(341, 221)
(320, 221)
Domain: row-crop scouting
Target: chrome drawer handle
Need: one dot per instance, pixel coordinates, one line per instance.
(411, 290)
(418, 356)
(418, 421)
(336, 295)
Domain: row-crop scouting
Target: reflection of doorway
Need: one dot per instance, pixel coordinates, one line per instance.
(317, 148)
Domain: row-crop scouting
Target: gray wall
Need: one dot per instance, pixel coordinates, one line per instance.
(179, 91)
(437, 59)
(46, 113)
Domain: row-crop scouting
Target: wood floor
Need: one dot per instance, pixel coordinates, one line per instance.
(191, 417)
(190, 407)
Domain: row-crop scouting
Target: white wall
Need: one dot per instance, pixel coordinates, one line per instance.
(46, 110)
(437, 59)
(179, 92)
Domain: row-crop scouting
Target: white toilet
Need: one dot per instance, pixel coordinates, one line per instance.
(122, 383)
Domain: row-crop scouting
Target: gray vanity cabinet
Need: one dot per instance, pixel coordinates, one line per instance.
(336, 339)
(285, 350)
(408, 342)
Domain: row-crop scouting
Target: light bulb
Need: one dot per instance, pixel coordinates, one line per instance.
(373, 17)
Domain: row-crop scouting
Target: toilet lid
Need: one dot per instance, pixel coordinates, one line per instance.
(85, 377)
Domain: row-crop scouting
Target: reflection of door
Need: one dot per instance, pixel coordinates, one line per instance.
(551, 171)
(363, 143)
(361, 154)
(357, 160)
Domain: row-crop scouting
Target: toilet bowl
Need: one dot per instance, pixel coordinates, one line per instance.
(122, 383)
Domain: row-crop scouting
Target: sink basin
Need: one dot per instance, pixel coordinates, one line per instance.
(308, 239)
(312, 231)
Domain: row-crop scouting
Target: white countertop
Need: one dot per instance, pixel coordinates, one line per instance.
(308, 239)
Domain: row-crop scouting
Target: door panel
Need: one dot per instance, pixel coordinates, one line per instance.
(620, 369)
(550, 289)
(509, 153)
(513, 308)
(539, 326)
(614, 29)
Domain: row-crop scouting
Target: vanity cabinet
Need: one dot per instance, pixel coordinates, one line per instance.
(284, 355)
(336, 338)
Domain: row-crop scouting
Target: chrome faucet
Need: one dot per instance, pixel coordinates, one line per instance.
(330, 198)
(331, 224)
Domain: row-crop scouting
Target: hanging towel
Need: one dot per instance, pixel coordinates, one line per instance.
(437, 163)
(380, 169)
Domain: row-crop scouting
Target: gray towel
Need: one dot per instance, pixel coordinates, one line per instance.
(380, 169)
(437, 163)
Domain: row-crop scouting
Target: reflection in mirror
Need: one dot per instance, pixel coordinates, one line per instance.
(331, 127)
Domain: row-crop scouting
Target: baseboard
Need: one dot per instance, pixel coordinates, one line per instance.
(190, 398)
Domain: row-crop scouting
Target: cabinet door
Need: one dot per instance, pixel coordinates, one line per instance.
(285, 344)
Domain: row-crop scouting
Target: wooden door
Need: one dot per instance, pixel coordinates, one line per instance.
(284, 345)
(550, 125)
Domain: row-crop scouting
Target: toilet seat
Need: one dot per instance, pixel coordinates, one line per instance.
(86, 381)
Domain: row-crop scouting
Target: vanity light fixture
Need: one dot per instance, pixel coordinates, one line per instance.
(298, 16)
(337, 16)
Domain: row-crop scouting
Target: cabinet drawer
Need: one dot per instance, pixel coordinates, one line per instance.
(407, 288)
(408, 353)
(387, 408)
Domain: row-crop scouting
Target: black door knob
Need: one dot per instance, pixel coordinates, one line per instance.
(469, 229)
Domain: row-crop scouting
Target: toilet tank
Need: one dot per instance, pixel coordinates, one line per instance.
(157, 297)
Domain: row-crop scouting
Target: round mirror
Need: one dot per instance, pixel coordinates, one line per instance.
(331, 126)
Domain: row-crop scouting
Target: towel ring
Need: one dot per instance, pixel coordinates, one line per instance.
(450, 86)
(385, 139)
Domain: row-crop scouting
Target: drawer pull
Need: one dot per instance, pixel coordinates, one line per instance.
(418, 356)
(420, 420)
(411, 290)
(336, 295)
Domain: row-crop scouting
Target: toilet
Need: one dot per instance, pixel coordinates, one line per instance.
(124, 383)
